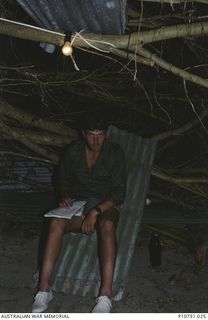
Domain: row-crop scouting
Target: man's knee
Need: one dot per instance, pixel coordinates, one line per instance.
(105, 225)
(107, 222)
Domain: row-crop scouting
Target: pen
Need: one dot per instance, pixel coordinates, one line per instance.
(71, 201)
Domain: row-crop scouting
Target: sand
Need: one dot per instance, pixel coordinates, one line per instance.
(179, 285)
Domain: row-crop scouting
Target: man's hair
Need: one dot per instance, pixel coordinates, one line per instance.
(93, 120)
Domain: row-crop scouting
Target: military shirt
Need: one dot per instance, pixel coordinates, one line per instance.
(105, 180)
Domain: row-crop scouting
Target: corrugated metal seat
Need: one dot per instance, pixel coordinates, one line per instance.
(77, 270)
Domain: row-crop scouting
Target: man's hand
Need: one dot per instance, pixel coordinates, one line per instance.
(88, 225)
(65, 203)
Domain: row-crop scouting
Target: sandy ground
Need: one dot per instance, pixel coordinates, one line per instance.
(179, 285)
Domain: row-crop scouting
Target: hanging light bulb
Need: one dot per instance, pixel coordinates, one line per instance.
(67, 49)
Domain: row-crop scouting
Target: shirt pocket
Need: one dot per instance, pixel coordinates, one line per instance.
(81, 176)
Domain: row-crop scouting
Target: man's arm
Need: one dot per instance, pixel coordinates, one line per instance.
(88, 224)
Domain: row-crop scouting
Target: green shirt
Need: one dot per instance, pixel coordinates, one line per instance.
(106, 180)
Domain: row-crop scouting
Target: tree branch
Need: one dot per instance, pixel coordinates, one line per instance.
(179, 131)
(43, 138)
(182, 180)
(34, 121)
(132, 57)
(168, 198)
(169, 32)
(25, 156)
(28, 32)
(30, 144)
(173, 69)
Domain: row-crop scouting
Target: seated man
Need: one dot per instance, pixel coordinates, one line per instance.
(91, 169)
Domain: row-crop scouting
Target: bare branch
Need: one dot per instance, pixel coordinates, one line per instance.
(47, 154)
(173, 69)
(34, 121)
(28, 32)
(158, 173)
(179, 131)
(105, 42)
(25, 156)
(43, 138)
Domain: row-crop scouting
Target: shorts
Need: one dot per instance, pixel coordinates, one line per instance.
(90, 203)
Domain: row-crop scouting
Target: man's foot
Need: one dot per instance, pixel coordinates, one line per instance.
(41, 301)
(103, 305)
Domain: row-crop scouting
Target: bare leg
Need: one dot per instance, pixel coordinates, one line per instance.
(107, 249)
(57, 228)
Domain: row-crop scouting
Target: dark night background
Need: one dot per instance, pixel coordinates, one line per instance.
(156, 102)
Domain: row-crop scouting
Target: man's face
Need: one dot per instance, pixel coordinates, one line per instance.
(94, 139)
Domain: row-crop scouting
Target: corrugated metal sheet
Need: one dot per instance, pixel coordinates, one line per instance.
(77, 269)
(11, 166)
(104, 17)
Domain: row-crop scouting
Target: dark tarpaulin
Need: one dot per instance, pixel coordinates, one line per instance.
(96, 16)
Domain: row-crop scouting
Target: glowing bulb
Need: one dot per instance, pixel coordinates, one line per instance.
(67, 49)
